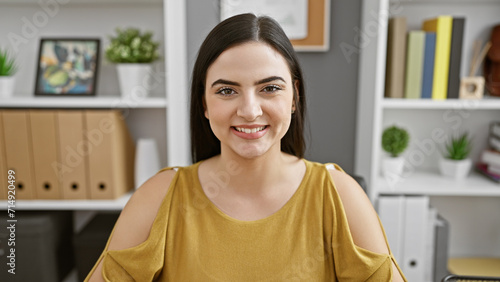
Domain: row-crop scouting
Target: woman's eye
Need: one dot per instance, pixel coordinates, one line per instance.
(271, 88)
(225, 91)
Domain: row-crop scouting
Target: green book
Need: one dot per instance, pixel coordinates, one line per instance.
(414, 64)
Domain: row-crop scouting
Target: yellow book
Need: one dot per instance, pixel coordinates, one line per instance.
(442, 26)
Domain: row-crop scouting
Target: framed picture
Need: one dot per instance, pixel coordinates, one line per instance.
(305, 22)
(67, 66)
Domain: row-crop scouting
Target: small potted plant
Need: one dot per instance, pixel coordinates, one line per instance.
(7, 70)
(394, 142)
(133, 51)
(456, 163)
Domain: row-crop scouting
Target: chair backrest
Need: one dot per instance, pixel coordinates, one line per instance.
(465, 278)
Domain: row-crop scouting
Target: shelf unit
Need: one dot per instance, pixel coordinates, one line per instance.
(461, 202)
(162, 116)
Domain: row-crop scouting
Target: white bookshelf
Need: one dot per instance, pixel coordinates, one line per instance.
(163, 115)
(83, 102)
(470, 205)
(73, 205)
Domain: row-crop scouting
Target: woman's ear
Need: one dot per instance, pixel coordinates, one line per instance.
(295, 95)
(205, 108)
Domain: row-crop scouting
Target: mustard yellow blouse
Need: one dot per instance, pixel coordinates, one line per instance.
(308, 239)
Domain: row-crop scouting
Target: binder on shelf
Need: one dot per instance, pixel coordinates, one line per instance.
(396, 54)
(45, 153)
(73, 151)
(442, 26)
(457, 35)
(111, 160)
(428, 67)
(414, 64)
(18, 152)
(3, 165)
(391, 210)
(415, 230)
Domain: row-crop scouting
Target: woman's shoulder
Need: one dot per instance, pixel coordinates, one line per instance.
(137, 217)
(361, 216)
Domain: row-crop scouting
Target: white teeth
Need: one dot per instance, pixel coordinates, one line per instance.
(248, 130)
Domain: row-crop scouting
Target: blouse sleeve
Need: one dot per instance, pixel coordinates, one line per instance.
(143, 262)
(353, 263)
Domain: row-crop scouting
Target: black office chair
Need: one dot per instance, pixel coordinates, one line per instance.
(466, 278)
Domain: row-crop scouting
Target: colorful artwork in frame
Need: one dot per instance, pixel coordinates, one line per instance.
(67, 66)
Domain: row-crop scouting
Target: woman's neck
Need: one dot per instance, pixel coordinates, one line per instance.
(251, 177)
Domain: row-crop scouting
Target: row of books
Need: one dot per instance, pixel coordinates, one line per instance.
(65, 154)
(489, 164)
(424, 63)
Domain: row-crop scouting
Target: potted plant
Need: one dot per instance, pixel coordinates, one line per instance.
(133, 51)
(394, 142)
(456, 163)
(7, 70)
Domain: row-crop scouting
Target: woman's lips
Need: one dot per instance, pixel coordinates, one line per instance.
(250, 132)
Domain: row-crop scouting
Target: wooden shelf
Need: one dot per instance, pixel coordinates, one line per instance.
(75, 205)
(81, 102)
(434, 184)
(423, 104)
(476, 266)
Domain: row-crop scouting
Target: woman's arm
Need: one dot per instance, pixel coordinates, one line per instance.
(136, 219)
(361, 216)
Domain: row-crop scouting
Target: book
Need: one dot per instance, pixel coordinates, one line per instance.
(493, 169)
(457, 35)
(442, 26)
(483, 169)
(395, 61)
(428, 67)
(495, 129)
(414, 64)
(494, 143)
(490, 157)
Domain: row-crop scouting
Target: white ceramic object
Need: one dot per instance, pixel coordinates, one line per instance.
(7, 86)
(147, 160)
(393, 166)
(454, 168)
(134, 80)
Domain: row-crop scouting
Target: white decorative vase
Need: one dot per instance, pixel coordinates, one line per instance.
(134, 80)
(457, 169)
(7, 86)
(393, 167)
(147, 160)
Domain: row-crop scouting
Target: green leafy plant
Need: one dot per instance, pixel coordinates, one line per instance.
(7, 63)
(395, 140)
(459, 147)
(132, 46)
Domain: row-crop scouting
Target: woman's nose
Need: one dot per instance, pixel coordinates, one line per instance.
(249, 107)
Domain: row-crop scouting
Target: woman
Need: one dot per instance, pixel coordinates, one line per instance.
(250, 208)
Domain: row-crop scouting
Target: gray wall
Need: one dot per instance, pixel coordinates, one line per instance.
(331, 79)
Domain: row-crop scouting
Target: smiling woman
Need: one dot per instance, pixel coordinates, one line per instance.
(251, 208)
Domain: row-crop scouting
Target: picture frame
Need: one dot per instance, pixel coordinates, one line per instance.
(67, 67)
(311, 18)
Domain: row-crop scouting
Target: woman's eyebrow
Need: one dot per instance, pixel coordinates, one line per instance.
(264, 80)
(269, 79)
(223, 81)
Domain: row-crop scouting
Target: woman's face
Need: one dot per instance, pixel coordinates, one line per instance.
(249, 99)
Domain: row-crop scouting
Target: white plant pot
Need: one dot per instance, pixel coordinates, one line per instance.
(134, 80)
(147, 160)
(7, 86)
(455, 169)
(393, 167)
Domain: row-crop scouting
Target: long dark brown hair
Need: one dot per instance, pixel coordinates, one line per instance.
(231, 32)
